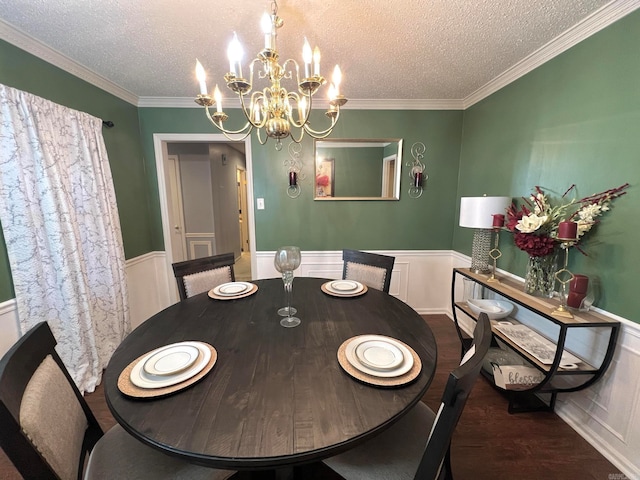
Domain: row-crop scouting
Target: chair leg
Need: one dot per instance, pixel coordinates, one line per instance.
(447, 465)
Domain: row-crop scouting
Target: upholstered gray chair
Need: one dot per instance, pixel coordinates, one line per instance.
(417, 445)
(47, 428)
(203, 274)
(372, 269)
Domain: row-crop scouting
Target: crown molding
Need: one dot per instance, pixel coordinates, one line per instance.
(35, 47)
(597, 21)
(592, 24)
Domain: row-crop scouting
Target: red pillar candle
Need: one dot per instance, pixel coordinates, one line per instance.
(579, 284)
(567, 230)
(293, 179)
(417, 179)
(498, 220)
(577, 290)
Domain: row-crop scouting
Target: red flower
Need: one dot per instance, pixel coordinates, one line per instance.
(534, 245)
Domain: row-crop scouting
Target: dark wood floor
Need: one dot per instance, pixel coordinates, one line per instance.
(489, 443)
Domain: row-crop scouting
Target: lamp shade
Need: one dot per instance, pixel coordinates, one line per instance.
(477, 212)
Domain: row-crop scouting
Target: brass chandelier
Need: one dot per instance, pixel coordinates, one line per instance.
(272, 108)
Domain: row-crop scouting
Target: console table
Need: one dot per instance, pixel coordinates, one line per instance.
(593, 359)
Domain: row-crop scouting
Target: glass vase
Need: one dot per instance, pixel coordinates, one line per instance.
(540, 279)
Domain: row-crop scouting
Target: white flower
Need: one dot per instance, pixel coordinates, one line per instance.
(531, 223)
(583, 227)
(588, 212)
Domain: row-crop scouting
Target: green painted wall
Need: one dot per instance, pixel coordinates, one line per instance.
(424, 223)
(576, 119)
(23, 71)
(573, 120)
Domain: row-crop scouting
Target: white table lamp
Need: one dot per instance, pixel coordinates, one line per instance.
(477, 213)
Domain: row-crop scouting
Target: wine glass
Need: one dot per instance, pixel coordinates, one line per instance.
(287, 259)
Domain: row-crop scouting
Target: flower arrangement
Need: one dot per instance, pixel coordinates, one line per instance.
(535, 223)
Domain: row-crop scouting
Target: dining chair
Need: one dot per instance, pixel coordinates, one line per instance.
(418, 445)
(47, 428)
(202, 274)
(372, 269)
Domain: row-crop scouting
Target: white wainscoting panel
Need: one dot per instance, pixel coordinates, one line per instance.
(420, 278)
(9, 326)
(148, 286)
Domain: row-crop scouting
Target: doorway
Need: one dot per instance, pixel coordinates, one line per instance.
(191, 228)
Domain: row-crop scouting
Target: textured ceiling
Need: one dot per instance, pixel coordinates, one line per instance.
(392, 49)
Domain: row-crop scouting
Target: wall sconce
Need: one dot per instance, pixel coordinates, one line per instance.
(477, 213)
(416, 170)
(294, 169)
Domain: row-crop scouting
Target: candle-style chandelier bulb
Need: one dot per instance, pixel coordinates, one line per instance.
(274, 110)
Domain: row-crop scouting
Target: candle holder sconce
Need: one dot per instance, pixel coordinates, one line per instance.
(417, 170)
(495, 253)
(294, 169)
(567, 233)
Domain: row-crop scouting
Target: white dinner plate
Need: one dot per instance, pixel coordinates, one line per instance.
(142, 379)
(379, 355)
(344, 285)
(171, 359)
(352, 358)
(232, 289)
(358, 288)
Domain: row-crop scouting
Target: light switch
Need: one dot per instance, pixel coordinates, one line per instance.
(260, 202)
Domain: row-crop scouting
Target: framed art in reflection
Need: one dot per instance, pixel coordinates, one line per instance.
(325, 177)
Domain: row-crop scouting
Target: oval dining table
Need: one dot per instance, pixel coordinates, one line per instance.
(276, 397)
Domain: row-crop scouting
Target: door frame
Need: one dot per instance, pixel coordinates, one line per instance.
(160, 141)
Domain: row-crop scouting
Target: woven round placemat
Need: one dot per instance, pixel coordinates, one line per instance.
(128, 388)
(253, 290)
(324, 288)
(408, 377)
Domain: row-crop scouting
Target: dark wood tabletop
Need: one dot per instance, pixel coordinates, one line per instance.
(276, 396)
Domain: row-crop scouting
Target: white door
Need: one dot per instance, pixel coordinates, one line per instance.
(175, 210)
(241, 176)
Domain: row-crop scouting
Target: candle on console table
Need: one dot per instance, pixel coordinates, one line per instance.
(498, 220)
(579, 284)
(567, 230)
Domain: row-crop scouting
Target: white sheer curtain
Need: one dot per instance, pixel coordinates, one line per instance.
(60, 221)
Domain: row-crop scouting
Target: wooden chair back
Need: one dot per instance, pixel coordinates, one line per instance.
(382, 266)
(454, 398)
(198, 265)
(33, 357)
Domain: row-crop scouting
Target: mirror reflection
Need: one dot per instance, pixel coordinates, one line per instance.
(358, 169)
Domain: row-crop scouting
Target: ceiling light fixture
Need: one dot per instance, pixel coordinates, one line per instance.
(272, 108)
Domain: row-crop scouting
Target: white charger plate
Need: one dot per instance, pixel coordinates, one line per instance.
(379, 355)
(337, 291)
(231, 289)
(171, 359)
(144, 380)
(352, 358)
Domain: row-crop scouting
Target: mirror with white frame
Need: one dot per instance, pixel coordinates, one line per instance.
(357, 169)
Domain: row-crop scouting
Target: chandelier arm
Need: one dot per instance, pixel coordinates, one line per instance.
(262, 142)
(251, 67)
(297, 124)
(323, 133)
(299, 139)
(284, 69)
(243, 131)
(255, 97)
